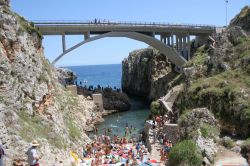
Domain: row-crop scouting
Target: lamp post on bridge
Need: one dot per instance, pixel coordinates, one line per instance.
(226, 11)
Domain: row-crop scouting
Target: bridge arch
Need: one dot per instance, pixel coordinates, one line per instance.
(170, 52)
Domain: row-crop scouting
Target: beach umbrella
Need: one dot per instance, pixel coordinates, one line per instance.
(152, 161)
(125, 156)
(146, 164)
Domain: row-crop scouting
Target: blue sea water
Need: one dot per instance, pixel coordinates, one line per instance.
(103, 75)
(110, 75)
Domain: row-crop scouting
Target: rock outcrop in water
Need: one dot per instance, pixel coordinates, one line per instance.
(33, 105)
(112, 99)
(66, 76)
(146, 73)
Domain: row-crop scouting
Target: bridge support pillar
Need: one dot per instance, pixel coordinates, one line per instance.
(189, 46)
(86, 35)
(172, 40)
(63, 42)
(180, 43)
(153, 34)
(163, 39)
(169, 44)
(185, 46)
(177, 42)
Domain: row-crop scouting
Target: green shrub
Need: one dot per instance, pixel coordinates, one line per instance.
(32, 127)
(228, 142)
(247, 113)
(185, 153)
(28, 26)
(74, 132)
(245, 148)
(43, 78)
(208, 131)
(246, 143)
(155, 108)
(198, 58)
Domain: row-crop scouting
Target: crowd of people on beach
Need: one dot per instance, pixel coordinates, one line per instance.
(108, 148)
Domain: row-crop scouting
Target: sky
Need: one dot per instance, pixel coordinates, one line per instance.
(114, 50)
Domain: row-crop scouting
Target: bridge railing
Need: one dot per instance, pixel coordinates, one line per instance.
(119, 23)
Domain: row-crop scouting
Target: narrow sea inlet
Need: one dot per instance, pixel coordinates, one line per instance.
(134, 118)
(110, 75)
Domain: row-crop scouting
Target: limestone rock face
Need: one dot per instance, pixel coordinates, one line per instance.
(236, 34)
(33, 105)
(66, 76)
(217, 80)
(201, 126)
(242, 19)
(112, 99)
(193, 120)
(115, 101)
(5, 2)
(146, 73)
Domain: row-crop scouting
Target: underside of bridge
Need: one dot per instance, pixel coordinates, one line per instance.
(174, 39)
(165, 45)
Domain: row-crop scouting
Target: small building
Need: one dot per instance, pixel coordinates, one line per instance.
(97, 98)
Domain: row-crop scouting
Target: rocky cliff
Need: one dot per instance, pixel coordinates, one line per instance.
(33, 105)
(218, 78)
(242, 19)
(200, 126)
(146, 73)
(113, 99)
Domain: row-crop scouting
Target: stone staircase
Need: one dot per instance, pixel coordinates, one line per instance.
(168, 100)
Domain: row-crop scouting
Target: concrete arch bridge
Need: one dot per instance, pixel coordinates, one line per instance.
(174, 38)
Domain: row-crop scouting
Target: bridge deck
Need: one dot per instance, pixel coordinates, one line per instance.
(78, 27)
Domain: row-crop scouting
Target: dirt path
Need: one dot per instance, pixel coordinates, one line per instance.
(226, 157)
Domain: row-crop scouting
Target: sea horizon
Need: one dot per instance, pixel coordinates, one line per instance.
(107, 75)
(88, 65)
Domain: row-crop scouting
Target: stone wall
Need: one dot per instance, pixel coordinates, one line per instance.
(172, 132)
(147, 131)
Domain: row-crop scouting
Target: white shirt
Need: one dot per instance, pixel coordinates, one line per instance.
(32, 153)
